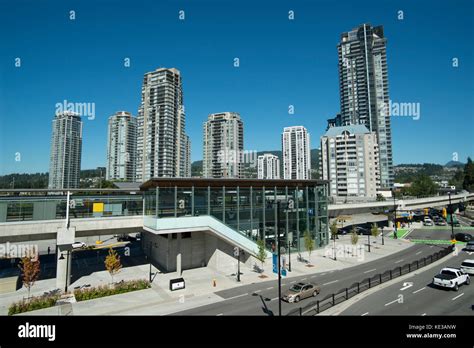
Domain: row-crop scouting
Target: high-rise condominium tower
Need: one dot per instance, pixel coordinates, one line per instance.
(364, 89)
(349, 160)
(121, 147)
(161, 137)
(66, 149)
(296, 153)
(268, 166)
(223, 146)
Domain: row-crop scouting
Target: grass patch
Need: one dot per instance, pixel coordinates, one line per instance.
(401, 232)
(109, 290)
(435, 241)
(33, 304)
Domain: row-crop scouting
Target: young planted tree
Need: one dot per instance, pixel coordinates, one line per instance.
(333, 228)
(309, 244)
(374, 230)
(262, 253)
(30, 271)
(112, 263)
(354, 239)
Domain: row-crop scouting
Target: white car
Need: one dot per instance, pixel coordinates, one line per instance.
(451, 278)
(467, 266)
(79, 245)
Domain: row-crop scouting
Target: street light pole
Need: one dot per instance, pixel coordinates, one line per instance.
(238, 264)
(394, 215)
(289, 256)
(149, 255)
(383, 242)
(278, 256)
(451, 211)
(67, 268)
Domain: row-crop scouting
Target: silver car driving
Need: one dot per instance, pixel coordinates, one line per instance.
(300, 291)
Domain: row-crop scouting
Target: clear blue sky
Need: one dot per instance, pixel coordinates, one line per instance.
(282, 62)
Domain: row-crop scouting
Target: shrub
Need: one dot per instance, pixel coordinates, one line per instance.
(33, 304)
(106, 290)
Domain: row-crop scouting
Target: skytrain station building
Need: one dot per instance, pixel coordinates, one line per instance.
(193, 222)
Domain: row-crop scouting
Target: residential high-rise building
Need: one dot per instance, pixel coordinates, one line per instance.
(66, 150)
(223, 146)
(349, 160)
(364, 89)
(268, 166)
(161, 137)
(187, 162)
(121, 147)
(296, 153)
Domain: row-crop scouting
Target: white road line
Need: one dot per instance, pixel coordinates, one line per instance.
(423, 288)
(294, 281)
(399, 261)
(219, 314)
(273, 299)
(231, 298)
(304, 278)
(418, 253)
(331, 282)
(431, 246)
(370, 270)
(313, 276)
(364, 314)
(323, 274)
(423, 314)
(271, 287)
(387, 304)
(458, 296)
(257, 291)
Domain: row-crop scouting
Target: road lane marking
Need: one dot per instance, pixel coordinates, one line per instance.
(387, 304)
(399, 261)
(294, 281)
(219, 314)
(423, 314)
(371, 270)
(431, 246)
(231, 298)
(273, 299)
(458, 296)
(271, 287)
(418, 253)
(406, 285)
(313, 276)
(364, 314)
(257, 291)
(304, 278)
(423, 288)
(331, 282)
(323, 274)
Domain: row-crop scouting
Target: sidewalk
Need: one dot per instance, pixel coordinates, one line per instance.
(200, 289)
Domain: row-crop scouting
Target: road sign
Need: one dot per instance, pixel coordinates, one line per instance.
(275, 269)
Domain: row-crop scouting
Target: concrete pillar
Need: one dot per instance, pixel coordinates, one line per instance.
(65, 238)
(178, 254)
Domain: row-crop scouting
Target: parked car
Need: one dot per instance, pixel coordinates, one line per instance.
(440, 222)
(463, 237)
(451, 278)
(126, 238)
(467, 266)
(427, 222)
(469, 246)
(79, 245)
(300, 291)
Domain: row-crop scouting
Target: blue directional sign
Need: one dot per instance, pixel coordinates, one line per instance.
(275, 266)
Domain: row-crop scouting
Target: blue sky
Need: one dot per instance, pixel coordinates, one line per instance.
(282, 62)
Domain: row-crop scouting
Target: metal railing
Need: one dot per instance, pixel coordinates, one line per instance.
(331, 300)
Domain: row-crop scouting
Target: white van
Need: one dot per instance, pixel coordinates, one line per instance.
(467, 266)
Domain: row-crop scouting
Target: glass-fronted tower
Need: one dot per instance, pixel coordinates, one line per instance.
(121, 146)
(66, 150)
(364, 91)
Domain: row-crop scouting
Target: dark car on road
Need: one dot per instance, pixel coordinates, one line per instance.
(469, 246)
(463, 237)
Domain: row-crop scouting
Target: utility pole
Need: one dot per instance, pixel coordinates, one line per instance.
(451, 212)
(278, 256)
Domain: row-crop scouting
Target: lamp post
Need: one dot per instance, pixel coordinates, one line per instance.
(67, 268)
(149, 255)
(278, 256)
(394, 215)
(289, 256)
(383, 242)
(451, 212)
(237, 253)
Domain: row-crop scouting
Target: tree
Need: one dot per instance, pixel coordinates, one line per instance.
(262, 253)
(30, 271)
(112, 263)
(308, 243)
(380, 198)
(374, 230)
(468, 182)
(423, 186)
(354, 239)
(333, 228)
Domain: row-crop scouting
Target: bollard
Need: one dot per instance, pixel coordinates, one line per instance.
(347, 293)
(369, 283)
(214, 283)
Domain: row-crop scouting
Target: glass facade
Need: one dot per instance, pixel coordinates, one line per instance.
(249, 209)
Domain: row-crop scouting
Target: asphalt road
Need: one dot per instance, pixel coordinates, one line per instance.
(421, 298)
(241, 301)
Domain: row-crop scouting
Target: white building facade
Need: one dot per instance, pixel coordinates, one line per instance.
(268, 166)
(296, 153)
